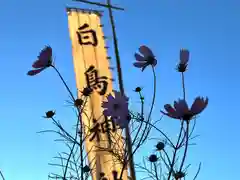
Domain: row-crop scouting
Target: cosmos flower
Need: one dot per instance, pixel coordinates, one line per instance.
(153, 158)
(44, 60)
(184, 58)
(117, 107)
(181, 110)
(49, 114)
(147, 58)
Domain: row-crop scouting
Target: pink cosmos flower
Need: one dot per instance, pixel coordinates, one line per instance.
(147, 58)
(117, 107)
(44, 60)
(184, 58)
(181, 110)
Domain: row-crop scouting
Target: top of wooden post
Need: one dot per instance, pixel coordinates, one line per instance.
(100, 4)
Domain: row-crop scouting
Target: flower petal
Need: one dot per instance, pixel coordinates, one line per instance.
(154, 62)
(184, 56)
(176, 105)
(121, 121)
(144, 67)
(105, 104)
(171, 112)
(139, 64)
(35, 72)
(40, 63)
(106, 112)
(110, 98)
(138, 57)
(146, 51)
(119, 96)
(182, 107)
(169, 109)
(170, 115)
(199, 105)
(46, 53)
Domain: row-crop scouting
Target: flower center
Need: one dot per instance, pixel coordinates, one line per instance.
(187, 116)
(150, 60)
(116, 106)
(49, 62)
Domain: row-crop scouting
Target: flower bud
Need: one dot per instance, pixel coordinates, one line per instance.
(153, 158)
(78, 102)
(49, 114)
(138, 89)
(160, 146)
(86, 169)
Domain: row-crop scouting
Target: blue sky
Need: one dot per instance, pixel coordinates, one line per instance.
(209, 29)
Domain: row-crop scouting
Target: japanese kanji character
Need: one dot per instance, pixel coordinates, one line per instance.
(84, 36)
(95, 130)
(95, 82)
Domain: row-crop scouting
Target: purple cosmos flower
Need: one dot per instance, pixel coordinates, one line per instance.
(184, 58)
(181, 110)
(44, 60)
(147, 58)
(117, 107)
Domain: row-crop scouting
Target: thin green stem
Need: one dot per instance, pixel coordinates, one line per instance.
(79, 123)
(130, 157)
(63, 130)
(187, 129)
(81, 143)
(186, 147)
(167, 138)
(142, 111)
(199, 168)
(2, 175)
(175, 152)
(64, 82)
(168, 158)
(143, 137)
(183, 86)
(156, 171)
(153, 99)
(142, 106)
(81, 151)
